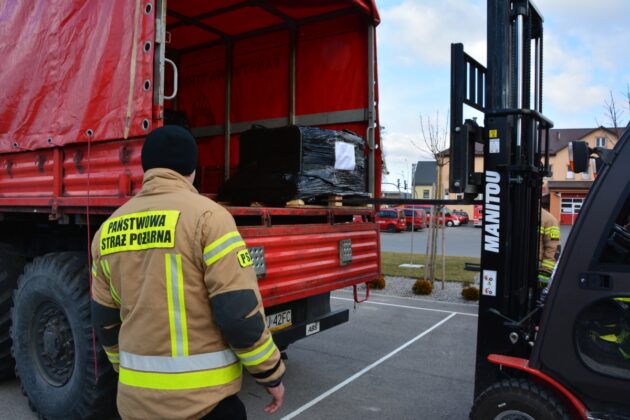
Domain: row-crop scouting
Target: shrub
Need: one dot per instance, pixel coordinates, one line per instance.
(470, 293)
(378, 283)
(422, 287)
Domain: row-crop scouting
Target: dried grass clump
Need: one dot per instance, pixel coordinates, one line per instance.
(422, 287)
(378, 283)
(470, 293)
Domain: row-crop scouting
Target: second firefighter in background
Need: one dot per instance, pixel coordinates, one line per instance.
(549, 247)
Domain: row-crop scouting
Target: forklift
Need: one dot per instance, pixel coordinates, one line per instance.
(562, 352)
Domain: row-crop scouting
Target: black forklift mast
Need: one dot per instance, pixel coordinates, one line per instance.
(515, 139)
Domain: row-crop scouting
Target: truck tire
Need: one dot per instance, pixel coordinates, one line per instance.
(53, 343)
(517, 399)
(391, 228)
(11, 266)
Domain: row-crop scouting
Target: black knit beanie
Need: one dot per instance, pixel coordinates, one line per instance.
(171, 147)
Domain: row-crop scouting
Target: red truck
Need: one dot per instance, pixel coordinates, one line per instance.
(83, 83)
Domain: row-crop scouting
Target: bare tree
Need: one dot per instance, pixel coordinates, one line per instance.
(613, 114)
(434, 141)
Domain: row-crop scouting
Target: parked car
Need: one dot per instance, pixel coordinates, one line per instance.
(449, 218)
(391, 220)
(446, 217)
(416, 219)
(462, 216)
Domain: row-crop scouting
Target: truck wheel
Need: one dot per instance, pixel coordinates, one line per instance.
(53, 344)
(11, 266)
(391, 228)
(409, 227)
(517, 399)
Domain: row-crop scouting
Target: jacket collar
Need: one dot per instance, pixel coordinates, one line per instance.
(162, 179)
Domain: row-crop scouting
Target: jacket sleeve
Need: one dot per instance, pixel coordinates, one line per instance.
(550, 232)
(105, 306)
(235, 298)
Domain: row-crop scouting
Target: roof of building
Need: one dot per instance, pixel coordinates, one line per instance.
(559, 138)
(426, 173)
(569, 185)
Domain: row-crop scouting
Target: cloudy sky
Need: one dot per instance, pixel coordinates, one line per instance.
(586, 57)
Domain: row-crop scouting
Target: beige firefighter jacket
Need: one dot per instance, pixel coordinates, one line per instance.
(549, 245)
(176, 303)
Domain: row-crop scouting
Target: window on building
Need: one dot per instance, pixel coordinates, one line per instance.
(425, 193)
(601, 142)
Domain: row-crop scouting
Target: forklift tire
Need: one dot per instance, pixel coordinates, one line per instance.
(517, 399)
(11, 266)
(53, 342)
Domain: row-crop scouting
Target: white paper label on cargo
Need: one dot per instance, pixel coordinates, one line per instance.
(344, 156)
(495, 146)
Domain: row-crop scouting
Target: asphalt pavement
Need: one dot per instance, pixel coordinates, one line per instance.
(397, 358)
(462, 241)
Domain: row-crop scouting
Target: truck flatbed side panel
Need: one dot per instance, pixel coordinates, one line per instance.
(303, 260)
(73, 70)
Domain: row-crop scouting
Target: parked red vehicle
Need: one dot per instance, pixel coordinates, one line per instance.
(415, 219)
(478, 216)
(391, 220)
(446, 217)
(462, 216)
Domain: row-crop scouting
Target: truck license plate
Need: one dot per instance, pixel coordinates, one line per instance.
(312, 328)
(279, 320)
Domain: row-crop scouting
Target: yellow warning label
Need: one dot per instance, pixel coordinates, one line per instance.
(493, 134)
(138, 231)
(244, 259)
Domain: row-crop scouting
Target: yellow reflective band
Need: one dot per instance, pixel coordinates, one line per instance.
(182, 304)
(139, 231)
(548, 264)
(180, 381)
(113, 357)
(611, 338)
(258, 355)
(94, 269)
(106, 271)
(221, 247)
(108, 275)
(169, 300)
(176, 304)
(623, 299)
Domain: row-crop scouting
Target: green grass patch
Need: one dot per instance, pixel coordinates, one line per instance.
(390, 262)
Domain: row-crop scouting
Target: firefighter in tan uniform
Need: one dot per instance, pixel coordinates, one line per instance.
(176, 303)
(549, 247)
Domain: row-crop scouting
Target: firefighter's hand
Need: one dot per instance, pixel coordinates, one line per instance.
(277, 393)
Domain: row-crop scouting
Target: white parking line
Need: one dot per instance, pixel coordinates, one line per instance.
(372, 302)
(364, 370)
(383, 295)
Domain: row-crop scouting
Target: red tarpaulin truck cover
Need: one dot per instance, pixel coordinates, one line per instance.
(78, 69)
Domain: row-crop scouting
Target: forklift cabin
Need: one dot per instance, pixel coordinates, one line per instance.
(562, 352)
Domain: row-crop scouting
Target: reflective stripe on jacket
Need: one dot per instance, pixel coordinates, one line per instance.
(172, 273)
(549, 245)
